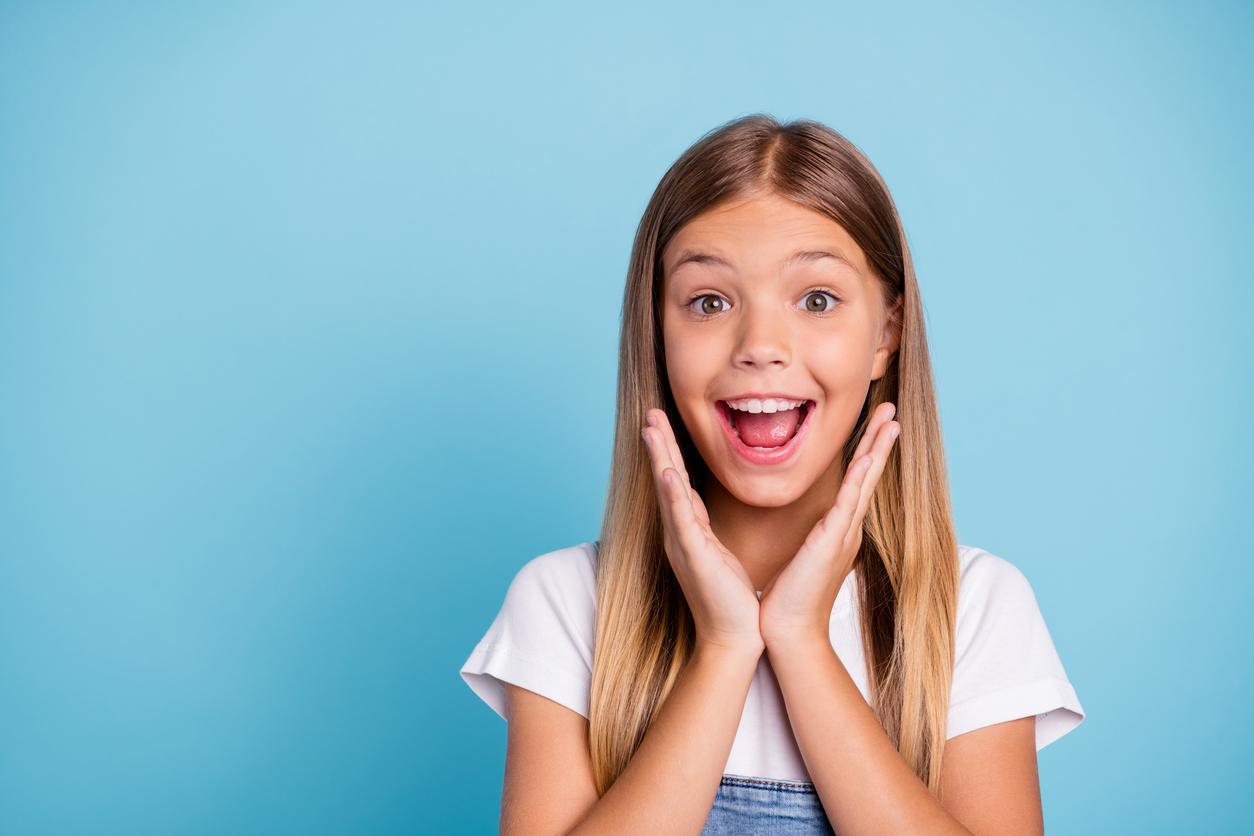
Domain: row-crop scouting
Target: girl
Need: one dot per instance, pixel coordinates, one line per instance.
(778, 632)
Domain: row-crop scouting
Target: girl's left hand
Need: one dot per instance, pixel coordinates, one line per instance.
(797, 602)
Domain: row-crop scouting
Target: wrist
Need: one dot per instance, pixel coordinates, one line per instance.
(720, 653)
(798, 640)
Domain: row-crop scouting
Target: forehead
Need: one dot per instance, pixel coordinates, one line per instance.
(760, 231)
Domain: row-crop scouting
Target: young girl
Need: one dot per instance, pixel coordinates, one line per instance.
(778, 631)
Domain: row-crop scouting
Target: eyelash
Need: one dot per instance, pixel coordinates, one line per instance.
(695, 299)
(826, 291)
(836, 300)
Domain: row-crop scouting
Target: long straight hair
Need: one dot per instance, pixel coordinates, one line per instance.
(907, 567)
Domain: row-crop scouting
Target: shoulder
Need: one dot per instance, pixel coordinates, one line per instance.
(566, 577)
(564, 564)
(995, 605)
(1005, 664)
(544, 636)
(978, 566)
(985, 576)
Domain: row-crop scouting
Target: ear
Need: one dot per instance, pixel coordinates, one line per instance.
(890, 339)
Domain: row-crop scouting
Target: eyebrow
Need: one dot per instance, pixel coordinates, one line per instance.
(802, 257)
(811, 256)
(691, 257)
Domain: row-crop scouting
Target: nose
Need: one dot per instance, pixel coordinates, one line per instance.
(763, 342)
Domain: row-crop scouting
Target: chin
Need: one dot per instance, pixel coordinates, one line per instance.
(764, 491)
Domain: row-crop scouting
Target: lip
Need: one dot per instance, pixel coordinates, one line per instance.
(775, 455)
(779, 396)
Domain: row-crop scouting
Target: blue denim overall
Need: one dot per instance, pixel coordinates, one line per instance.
(759, 807)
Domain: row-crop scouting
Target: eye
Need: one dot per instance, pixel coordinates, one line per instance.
(709, 304)
(818, 302)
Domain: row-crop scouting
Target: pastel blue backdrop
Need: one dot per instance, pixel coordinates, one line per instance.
(308, 315)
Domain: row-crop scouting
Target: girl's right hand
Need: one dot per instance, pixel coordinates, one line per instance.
(718, 589)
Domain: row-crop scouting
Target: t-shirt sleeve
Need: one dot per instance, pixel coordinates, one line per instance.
(1005, 664)
(542, 639)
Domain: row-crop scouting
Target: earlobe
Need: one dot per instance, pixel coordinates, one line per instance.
(890, 339)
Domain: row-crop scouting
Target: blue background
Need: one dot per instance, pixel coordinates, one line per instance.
(308, 317)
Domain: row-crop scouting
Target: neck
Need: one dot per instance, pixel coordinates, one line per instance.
(765, 539)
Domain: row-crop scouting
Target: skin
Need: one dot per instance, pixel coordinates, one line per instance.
(791, 529)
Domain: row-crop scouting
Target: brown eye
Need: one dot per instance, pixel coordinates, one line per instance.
(819, 302)
(711, 305)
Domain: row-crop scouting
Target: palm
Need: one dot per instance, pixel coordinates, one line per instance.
(799, 599)
(800, 596)
(719, 592)
(738, 576)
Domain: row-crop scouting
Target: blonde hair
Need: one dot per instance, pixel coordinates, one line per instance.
(907, 568)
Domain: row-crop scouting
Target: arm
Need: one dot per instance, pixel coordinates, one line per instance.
(669, 785)
(671, 781)
(989, 782)
(988, 776)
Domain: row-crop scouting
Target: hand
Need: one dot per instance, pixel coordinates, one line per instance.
(797, 602)
(718, 589)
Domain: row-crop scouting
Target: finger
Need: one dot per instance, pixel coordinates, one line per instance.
(682, 515)
(656, 419)
(659, 452)
(673, 493)
(659, 423)
(883, 446)
(881, 416)
(698, 508)
(858, 487)
(660, 419)
(829, 533)
(663, 423)
(659, 458)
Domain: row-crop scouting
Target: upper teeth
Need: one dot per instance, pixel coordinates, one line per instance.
(763, 405)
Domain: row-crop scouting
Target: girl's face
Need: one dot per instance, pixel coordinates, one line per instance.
(774, 327)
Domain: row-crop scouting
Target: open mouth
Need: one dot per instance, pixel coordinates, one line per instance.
(764, 426)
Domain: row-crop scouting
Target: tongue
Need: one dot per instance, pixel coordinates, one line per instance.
(763, 429)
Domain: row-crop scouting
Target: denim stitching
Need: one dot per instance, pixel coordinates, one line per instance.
(805, 789)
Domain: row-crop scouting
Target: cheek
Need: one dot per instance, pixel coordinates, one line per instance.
(844, 361)
(844, 375)
(690, 365)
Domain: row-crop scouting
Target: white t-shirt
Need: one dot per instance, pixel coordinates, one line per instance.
(1005, 665)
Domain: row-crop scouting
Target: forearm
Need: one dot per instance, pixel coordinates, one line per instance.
(670, 783)
(863, 782)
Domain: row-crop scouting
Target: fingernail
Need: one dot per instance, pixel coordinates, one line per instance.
(668, 478)
(866, 465)
(651, 420)
(896, 431)
(645, 435)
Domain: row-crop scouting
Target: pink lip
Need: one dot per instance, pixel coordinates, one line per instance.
(775, 455)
